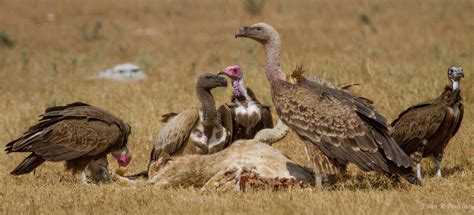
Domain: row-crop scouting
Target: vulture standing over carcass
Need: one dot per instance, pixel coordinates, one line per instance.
(77, 133)
(344, 126)
(196, 131)
(249, 114)
(425, 129)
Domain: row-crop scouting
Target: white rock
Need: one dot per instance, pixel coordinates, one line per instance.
(122, 72)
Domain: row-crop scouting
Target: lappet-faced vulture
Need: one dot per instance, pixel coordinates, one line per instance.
(77, 133)
(249, 115)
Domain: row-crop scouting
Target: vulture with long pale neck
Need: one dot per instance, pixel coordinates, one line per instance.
(425, 129)
(196, 131)
(343, 126)
(77, 133)
(249, 115)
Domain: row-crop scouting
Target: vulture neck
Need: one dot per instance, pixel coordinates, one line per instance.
(272, 51)
(208, 108)
(239, 88)
(273, 135)
(455, 84)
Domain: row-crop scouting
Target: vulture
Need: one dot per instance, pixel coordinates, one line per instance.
(343, 126)
(77, 133)
(425, 129)
(249, 115)
(196, 131)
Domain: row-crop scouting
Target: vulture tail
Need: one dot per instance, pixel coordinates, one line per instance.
(412, 179)
(409, 175)
(28, 164)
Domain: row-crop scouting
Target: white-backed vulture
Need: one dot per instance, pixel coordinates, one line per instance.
(249, 115)
(345, 127)
(77, 133)
(425, 129)
(196, 131)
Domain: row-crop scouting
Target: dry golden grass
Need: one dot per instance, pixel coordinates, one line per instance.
(398, 50)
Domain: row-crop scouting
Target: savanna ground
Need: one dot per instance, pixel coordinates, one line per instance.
(398, 50)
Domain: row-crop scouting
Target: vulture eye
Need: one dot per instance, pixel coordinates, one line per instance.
(258, 28)
(208, 77)
(234, 70)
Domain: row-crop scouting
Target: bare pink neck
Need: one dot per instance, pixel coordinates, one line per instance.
(272, 51)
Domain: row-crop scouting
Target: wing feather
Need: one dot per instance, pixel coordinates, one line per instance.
(72, 131)
(174, 136)
(343, 125)
(417, 123)
(226, 120)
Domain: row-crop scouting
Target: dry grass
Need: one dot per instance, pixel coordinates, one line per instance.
(399, 51)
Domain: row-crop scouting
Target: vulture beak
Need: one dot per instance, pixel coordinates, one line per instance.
(223, 73)
(241, 32)
(123, 156)
(222, 81)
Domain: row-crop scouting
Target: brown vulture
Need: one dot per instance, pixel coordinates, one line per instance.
(343, 126)
(249, 115)
(77, 133)
(196, 131)
(425, 129)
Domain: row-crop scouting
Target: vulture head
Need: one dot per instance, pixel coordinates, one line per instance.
(233, 72)
(455, 73)
(123, 156)
(209, 81)
(261, 32)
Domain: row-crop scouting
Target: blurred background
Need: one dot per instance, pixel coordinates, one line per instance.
(399, 52)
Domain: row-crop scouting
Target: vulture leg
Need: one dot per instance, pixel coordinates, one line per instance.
(438, 157)
(325, 169)
(83, 177)
(417, 156)
(107, 174)
(418, 171)
(98, 170)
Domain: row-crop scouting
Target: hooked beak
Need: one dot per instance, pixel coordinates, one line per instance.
(459, 75)
(122, 156)
(241, 32)
(223, 73)
(222, 81)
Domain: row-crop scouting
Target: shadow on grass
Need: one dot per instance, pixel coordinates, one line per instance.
(445, 171)
(369, 182)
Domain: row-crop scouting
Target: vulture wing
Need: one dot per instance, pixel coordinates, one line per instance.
(266, 116)
(226, 120)
(342, 125)
(417, 123)
(459, 118)
(174, 136)
(70, 132)
(79, 129)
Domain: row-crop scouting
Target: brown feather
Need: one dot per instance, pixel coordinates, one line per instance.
(77, 130)
(351, 130)
(173, 138)
(432, 121)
